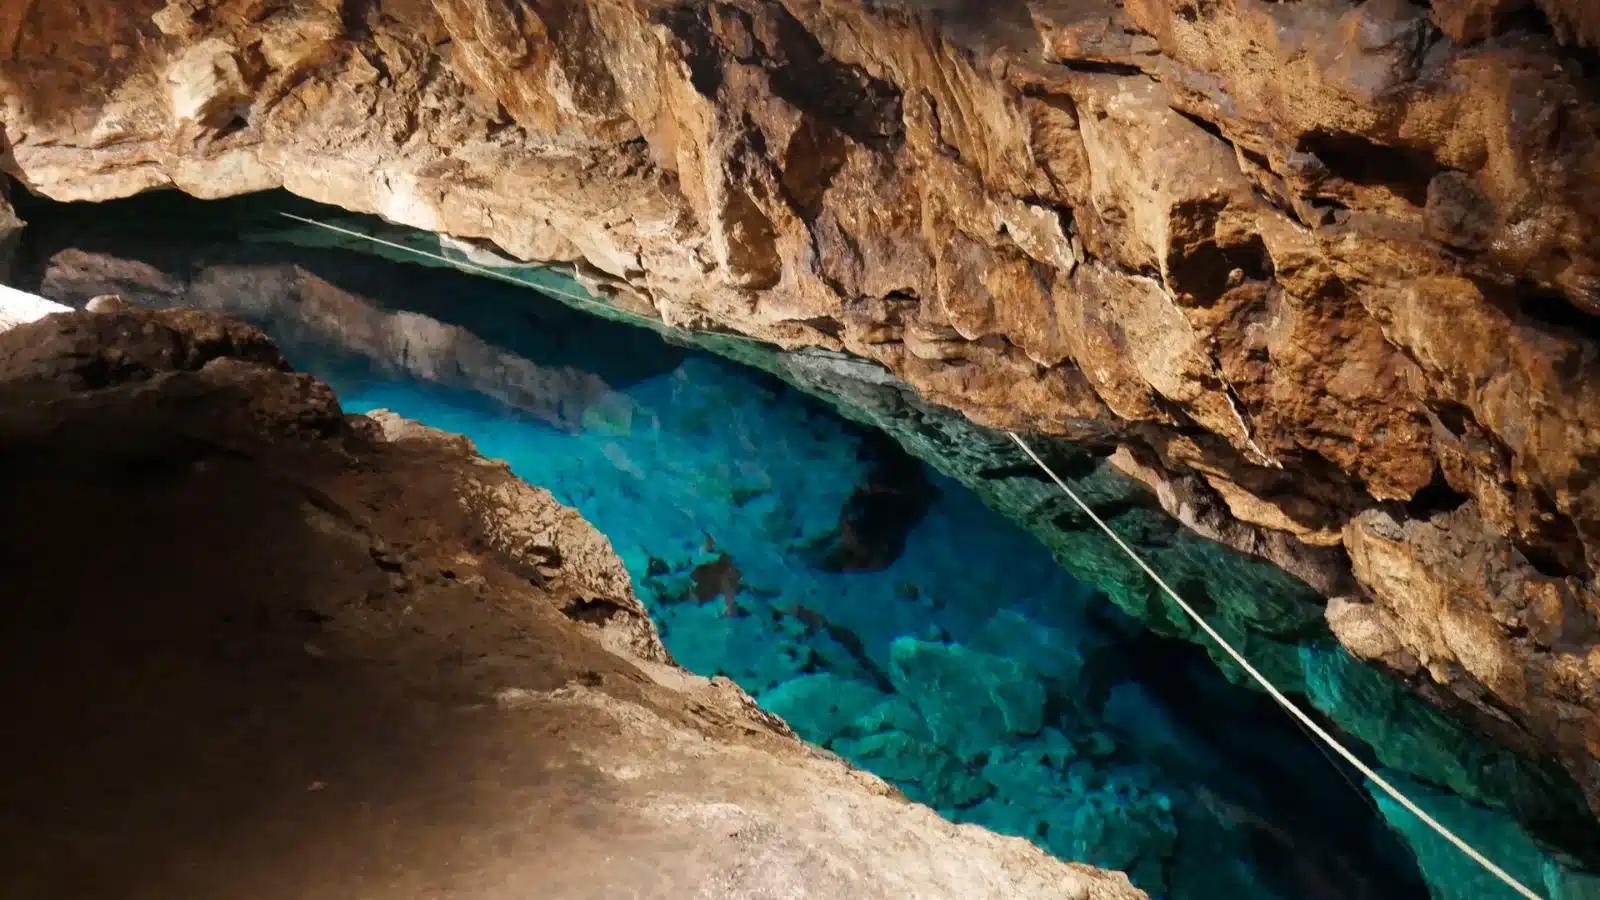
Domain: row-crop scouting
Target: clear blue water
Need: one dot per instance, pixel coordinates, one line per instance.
(879, 608)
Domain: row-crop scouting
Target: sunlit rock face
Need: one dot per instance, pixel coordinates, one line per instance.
(1322, 273)
(19, 308)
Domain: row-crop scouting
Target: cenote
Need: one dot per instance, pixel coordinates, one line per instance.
(880, 606)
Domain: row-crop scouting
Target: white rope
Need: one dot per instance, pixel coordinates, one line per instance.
(1277, 695)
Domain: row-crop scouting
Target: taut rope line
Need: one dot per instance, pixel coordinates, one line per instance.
(454, 263)
(1277, 695)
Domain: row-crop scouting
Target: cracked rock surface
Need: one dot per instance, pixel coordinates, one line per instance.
(1330, 264)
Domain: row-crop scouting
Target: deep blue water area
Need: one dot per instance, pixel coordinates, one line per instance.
(880, 608)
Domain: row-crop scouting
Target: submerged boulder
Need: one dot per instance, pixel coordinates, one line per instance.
(925, 771)
(1115, 819)
(972, 701)
(823, 706)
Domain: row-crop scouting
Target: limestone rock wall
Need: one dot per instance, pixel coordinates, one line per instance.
(1330, 262)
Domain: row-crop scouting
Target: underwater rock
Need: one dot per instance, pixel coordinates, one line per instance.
(926, 772)
(1086, 814)
(890, 501)
(1450, 875)
(823, 706)
(971, 700)
(719, 578)
(1421, 741)
(1013, 768)
(1053, 653)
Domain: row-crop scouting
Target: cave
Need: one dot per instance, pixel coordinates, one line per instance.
(776, 536)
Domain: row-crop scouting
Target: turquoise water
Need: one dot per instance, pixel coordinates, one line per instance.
(880, 608)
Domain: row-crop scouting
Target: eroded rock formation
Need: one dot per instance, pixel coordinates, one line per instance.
(1328, 266)
(257, 646)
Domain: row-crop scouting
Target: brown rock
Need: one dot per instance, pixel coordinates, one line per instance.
(1457, 599)
(10, 239)
(1572, 21)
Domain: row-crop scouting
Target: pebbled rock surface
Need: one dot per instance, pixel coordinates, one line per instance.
(255, 646)
(1327, 267)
